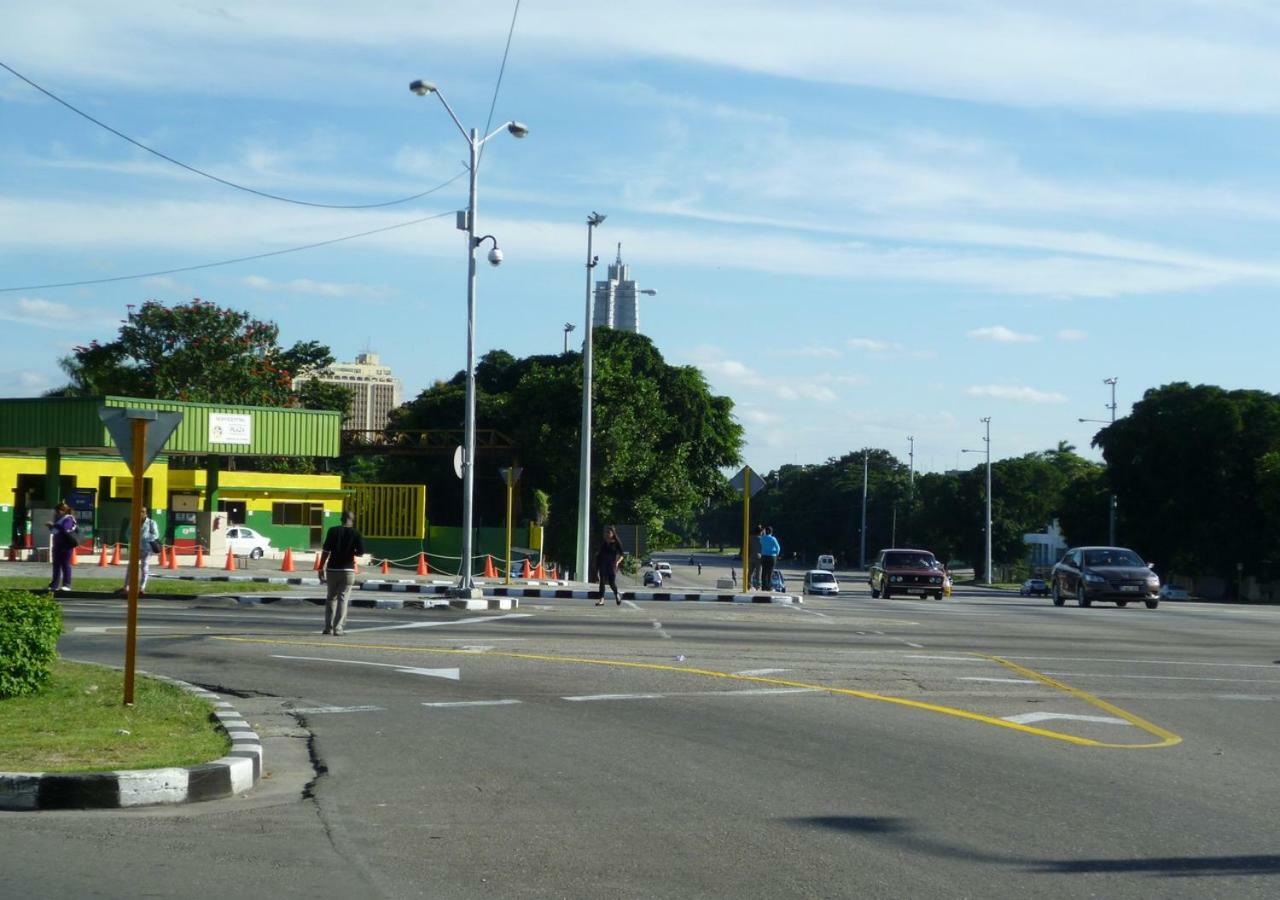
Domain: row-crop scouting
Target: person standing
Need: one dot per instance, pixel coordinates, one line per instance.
(62, 530)
(608, 561)
(753, 557)
(342, 545)
(769, 550)
(148, 544)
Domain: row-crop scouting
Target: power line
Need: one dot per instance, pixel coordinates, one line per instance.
(223, 181)
(501, 69)
(225, 262)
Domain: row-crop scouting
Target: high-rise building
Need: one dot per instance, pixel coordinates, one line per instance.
(618, 299)
(375, 391)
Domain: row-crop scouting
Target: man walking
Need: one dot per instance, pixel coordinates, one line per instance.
(338, 571)
(769, 550)
(148, 543)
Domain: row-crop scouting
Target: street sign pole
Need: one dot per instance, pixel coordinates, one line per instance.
(138, 468)
(746, 528)
(509, 474)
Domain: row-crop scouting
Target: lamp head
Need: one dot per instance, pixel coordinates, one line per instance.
(596, 218)
(422, 88)
(518, 130)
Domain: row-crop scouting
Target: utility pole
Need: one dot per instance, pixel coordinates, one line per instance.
(911, 483)
(862, 553)
(1112, 507)
(987, 420)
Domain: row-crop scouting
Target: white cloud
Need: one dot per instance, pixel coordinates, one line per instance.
(871, 345)
(1017, 393)
(318, 288)
(1002, 335)
(1072, 334)
(39, 313)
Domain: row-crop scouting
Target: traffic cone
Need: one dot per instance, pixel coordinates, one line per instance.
(74, 554)
(489, 570)
(315, 564)
(539, 572)
(422, 564)
(231, 561)
(386, 567)
(287, 565)
(102, 560)
(199, 556)
(115, 556)
(173, 558)
(526, 572)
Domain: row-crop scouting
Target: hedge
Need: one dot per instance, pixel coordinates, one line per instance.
(30, 625)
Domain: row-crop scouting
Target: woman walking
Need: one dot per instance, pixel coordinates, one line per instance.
(62, 529)
(608, 561)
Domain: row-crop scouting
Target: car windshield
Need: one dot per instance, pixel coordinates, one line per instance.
(817, 577)
(1112, 556)
(910, 561)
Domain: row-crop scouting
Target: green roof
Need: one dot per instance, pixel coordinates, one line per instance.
(72, 423)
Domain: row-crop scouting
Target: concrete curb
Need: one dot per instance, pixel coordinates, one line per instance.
(584, 593)
(442, 602)
(232, 774)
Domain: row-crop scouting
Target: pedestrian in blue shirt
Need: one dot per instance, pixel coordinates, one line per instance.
(769, 550)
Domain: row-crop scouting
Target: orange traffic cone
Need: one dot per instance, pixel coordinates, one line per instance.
(74, 554)
(489, 570)
(231, 561)
(526, 572)
(422, 564)
(115, 556)
(539, 572)
(102, 560)
(386, 567)
(199, 556)
(315, 565)
(287, 565)
(173, 558)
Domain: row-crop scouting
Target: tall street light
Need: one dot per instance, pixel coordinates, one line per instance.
(568, 327)
(584, 462)
(987, 439)
(467, 222)
(862, 546)
(1111, 504)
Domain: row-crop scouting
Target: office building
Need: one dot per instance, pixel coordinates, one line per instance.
(375, 391)
(618, 299)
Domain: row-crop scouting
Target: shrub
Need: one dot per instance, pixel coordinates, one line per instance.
(30, 625)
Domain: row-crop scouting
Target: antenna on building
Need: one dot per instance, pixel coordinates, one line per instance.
(619, 252)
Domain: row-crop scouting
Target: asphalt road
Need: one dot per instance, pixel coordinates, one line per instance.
(983, 746)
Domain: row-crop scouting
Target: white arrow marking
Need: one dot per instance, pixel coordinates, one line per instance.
(1028, 718)
(472, 621)
(451, 674)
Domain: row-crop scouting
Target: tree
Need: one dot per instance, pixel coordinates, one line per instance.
(201, 352)
(659, 441)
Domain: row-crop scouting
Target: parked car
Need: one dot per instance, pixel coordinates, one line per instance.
(652, 578)
(905, 571)
(1034, 587)
(243, 541)
(827, 561)
(663, 567)
(820, 581)
(1109, 574)
(1169, 592)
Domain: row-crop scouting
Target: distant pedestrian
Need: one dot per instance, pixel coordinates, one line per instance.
(753, 557)
(338, 571)
(608, 561)
(699, 568)
(733, 576)
(769, 550)
(62, 530)
(148, 543)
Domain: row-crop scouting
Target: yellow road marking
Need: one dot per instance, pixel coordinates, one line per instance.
(1167, 738)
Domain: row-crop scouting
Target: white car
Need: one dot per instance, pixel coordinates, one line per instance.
(827, 561)
(664, 568)
(820, 581)
(243, 541)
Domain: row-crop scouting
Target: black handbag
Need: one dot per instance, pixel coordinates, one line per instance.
(155, 546)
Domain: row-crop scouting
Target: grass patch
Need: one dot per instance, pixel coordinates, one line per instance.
(155, 586)
(74, 725)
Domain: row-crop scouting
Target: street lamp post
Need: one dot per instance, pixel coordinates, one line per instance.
(862, 548)
(466, 584)
(568, 327)
(987, 440)
(1111, 504)
(584, 462)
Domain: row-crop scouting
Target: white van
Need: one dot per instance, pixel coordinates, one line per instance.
(827, 561)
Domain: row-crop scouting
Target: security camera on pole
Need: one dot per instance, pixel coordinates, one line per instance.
(467, 222)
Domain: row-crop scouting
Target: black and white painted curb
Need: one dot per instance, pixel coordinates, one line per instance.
(582, 593)
(232, 774)
(440, 602)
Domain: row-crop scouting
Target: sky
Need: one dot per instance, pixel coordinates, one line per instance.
(865, 222)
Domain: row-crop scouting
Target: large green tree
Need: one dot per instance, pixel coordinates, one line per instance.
(199, 351)
(660, 438)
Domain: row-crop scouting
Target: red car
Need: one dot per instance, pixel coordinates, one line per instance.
(907, 572)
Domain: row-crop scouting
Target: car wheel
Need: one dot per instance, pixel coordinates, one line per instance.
(255, 553)
(1152, 604)
(1122, 603)
(1058, 599)
(937, 595)
(1082, 599)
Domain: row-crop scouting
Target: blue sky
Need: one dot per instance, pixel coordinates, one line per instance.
(864, 220)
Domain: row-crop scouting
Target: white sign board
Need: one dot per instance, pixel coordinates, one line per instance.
(226, 428)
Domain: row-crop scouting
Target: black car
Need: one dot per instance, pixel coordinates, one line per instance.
(1034, 587)
(902, 571)
(1109, 574)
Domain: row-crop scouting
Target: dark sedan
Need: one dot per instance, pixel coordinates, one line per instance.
(1109, 574)
(1034, 587)
(900, 571)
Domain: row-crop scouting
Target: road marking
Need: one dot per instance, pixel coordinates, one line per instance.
(108, 629)
(476, 648)
(1145, 662)
(1028, 718)
(585, 698)
(1000, 681)
(761, 671)
(1164, 677)
(812, 612)
(1166, 738)
(657, 626)
(630, 603)
(948, 658)
(451, 674)
(446, 705)
(312, 710)
(472, 621)
(912, 644)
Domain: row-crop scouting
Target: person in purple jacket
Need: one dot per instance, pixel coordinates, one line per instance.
(62, 529)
